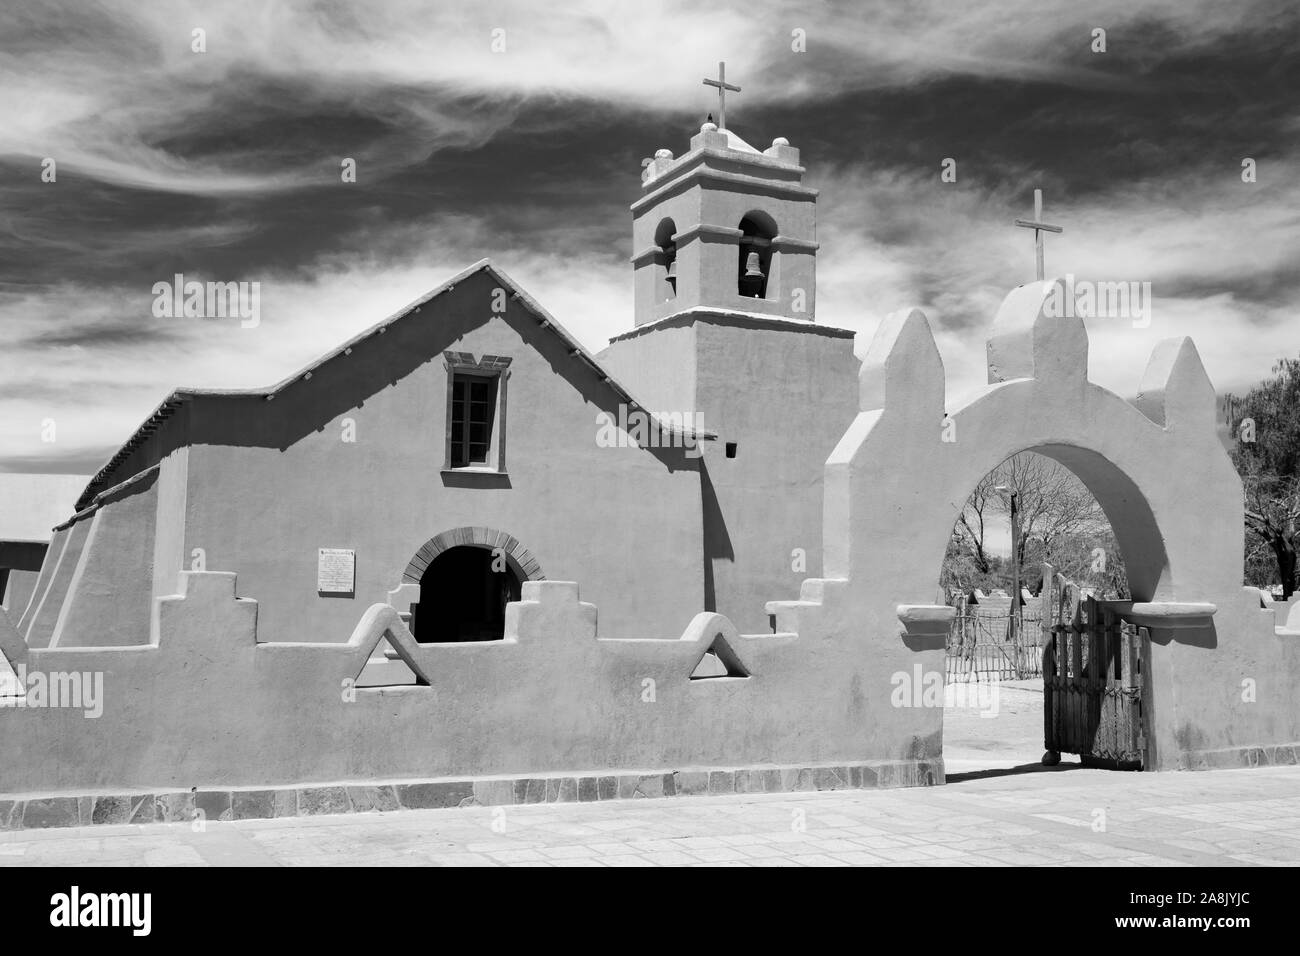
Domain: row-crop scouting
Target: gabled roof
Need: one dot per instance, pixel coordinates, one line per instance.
(101, 481)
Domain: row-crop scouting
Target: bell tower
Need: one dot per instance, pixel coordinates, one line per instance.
(724, 259)
(725, 227)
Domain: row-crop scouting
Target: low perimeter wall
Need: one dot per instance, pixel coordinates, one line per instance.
(204, 718)
(205, 707)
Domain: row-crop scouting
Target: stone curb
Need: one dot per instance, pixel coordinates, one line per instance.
(1233, 758)
(25, 813)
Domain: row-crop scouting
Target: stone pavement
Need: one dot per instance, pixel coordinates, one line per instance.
(1068, 815)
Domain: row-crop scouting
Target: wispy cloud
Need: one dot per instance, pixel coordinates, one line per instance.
(225, 165)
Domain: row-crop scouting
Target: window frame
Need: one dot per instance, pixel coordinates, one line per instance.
(496, 369)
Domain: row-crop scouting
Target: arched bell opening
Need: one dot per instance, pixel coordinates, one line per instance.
(754, 267)
(666, 260)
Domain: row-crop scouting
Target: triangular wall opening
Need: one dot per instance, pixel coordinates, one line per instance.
(386, 668)
(718, 661)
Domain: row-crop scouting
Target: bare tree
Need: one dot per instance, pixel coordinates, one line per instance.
(970, 523)
(1053, 506)
(1090, 559)
(1051, 500)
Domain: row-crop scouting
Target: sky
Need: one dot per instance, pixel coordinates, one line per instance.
(516, 131)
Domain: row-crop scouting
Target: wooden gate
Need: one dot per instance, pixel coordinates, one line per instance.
(1093, 675)
(982, 645)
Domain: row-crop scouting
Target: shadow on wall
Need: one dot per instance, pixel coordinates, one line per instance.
(717, 541)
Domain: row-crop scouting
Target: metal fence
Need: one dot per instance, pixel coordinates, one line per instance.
(980, 646)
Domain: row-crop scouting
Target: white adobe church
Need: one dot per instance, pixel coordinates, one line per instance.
(411, 574)
(476, 423)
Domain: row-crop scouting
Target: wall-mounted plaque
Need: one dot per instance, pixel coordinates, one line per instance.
(336, 571)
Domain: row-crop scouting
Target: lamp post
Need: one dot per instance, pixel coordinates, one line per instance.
(1014, 624)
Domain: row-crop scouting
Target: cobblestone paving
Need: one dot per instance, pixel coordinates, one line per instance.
(1067, 816)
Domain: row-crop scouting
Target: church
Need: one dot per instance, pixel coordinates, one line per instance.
(455, 450)
(461, 561)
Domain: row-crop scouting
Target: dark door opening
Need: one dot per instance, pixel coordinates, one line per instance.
(463, 597)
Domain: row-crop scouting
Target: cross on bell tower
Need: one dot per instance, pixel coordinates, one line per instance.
(1039, 228)
(726, 226)
(723, 86)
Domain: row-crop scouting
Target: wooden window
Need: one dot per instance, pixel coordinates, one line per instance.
(476, 400)
(473, 413)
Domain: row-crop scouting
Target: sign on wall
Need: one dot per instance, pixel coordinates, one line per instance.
(336, 571)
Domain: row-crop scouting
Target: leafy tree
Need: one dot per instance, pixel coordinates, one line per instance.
(1266, 425)
(1272, 516)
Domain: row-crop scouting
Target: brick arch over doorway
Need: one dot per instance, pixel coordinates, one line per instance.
(523, 561)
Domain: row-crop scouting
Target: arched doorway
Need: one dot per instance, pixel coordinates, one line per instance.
(463, 597)
(459, 583)
(1034, 573)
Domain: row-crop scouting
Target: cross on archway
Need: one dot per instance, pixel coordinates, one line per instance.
(723, 86)
(1039, 228)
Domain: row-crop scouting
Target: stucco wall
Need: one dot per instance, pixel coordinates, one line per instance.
(52, 556)
(554, 695)
(94, 589)
(659, 367)
(1221, 684)
(63, 559)
(169, 553)
(269, 483)
(799, 393)
(783, 393)
(844, 680)
(18, 591)
(706, 194)
(109, 599)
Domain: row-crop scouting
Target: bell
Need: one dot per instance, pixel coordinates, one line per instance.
(672, 271)
(752, 271)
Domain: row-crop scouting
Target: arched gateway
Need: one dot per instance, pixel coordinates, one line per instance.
(898, 478)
